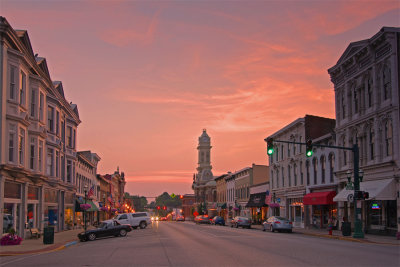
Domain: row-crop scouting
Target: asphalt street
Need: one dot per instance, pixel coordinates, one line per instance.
(188, 244)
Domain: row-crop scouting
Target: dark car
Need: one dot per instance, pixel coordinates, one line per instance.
(218, 220)
(202, 219)
(241, 221)
(180, 219)
(106, 228)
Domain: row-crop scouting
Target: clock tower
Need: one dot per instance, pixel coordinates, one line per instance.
(204, 173)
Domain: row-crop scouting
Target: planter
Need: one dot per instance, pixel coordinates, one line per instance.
(10, 240)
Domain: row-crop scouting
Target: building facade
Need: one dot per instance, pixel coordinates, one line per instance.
(366, 84)
(289, 168)
(259, 198)
(38, 139)
(188, 206)
(221, 195)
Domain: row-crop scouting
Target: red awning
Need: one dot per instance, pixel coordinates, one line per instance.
(319, 198)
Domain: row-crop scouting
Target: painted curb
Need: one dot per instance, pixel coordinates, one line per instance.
(61, 247)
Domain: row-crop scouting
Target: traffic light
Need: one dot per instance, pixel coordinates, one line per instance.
(164, 208)
(158, 207)
(181, 196)
(365, 195)
(362, 195)
(270, 146)
(309, 151)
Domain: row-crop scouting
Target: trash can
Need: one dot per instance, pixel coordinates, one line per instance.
(48, 235)
(346, 228)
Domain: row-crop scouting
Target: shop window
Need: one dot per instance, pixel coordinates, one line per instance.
(11, 216)
(51, 215)
(33, 193)
(50, 196)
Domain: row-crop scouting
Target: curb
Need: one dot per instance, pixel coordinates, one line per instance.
(53, 248)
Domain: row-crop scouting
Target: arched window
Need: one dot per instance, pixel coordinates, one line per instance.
(355, 100)
(315, 168)
(301, 173)
(277, 178)
(289, 177)
(388, 138)
(371, 139)
(322, 169)
(308, 171)
(369, 92)
(295, 174)
(331, 167)
(283, 177)
(386, 82)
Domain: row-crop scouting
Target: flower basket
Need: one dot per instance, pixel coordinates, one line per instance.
(85, 206)
(10, 239)
(235, 209)
(103, 209)
(113, 210)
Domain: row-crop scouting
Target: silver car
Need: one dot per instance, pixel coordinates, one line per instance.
(241, 221)
(278, 223)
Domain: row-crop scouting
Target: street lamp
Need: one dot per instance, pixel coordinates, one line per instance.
(85, 190)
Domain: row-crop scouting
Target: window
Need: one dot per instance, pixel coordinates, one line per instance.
(73, 140)
(386, 82)
(11, 143)
(277, 179)
(294, 147)
(288, 150)
(32, 155)
(63, 168)
(69, 136)
(323, 169)
(50, 119)
(343, 107)
(57, 122)
(69, 171)
(289, 177)
(300, 145)
(33, 103)
(22, 90)
(369, 92)
(355, 99)
(13, 82)
(57, 163)
(371, 143)
(63, 131)
(301, 174)
(283, 177)
(21, 146)
(331, 166)
(295, 174)
(388, 138)
(315, 166)
(344, 152)
(308, 172)
(41, 106)
(40, 155)
(50, 162)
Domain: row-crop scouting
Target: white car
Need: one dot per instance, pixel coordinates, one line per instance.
(137, 219)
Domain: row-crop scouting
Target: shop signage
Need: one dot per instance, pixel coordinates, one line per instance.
(278, 200)
(375, 206)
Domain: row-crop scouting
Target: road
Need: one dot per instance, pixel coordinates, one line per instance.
(188, 244)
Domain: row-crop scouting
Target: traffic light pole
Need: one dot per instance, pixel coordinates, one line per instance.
(358, 233)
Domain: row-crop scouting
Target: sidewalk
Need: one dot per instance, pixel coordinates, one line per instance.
(32, 246)
(337, 234)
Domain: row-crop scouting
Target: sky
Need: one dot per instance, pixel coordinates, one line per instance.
(148, 76)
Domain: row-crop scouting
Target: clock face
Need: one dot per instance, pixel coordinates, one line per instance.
(350, 198)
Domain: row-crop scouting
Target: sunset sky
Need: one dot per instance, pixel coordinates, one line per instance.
(148, 76)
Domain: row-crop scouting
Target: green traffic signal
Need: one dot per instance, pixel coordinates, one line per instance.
(309, 153)
(270, 151)
(270, 146)
(309, 150)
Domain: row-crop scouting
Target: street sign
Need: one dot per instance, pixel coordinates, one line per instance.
(173, 195)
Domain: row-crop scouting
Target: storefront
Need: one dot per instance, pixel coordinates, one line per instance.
(323, 208)
(222, 210)
(12, 207)
(69, 211)
(32, 216)
(258, 207)
(296, 211)
(51, 208)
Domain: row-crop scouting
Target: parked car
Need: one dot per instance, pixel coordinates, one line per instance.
(180, 219)
(106, 228)
(277, 223)
(241, 221)
(218, 220)
(202, 219)
(163, 218)
(137, 219)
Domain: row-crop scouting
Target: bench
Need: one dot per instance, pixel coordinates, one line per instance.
(34, 233)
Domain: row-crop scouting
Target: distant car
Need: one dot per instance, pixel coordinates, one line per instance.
(202, 219)
(277, 223)
(241, 221)
(218, 220)
(180, 219)
(106, 228)
(163, 218)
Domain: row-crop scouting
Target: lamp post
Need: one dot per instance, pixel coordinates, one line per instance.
(85, 190)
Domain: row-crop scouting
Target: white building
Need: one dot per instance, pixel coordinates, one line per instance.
(38, 139)
(366, 82)
(290, 169)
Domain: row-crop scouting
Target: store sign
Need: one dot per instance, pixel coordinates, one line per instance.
(375, 206)
(278, 200)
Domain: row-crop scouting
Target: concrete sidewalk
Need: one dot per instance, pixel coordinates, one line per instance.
(337, 234)
(32, 246)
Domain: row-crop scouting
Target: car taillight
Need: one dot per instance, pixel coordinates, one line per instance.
(239, 220)
(278, 222)
(290, 223)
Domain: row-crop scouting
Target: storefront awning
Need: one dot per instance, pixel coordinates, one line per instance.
(257, 200)
(319, 198)
(378, 190)
(78, 203)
